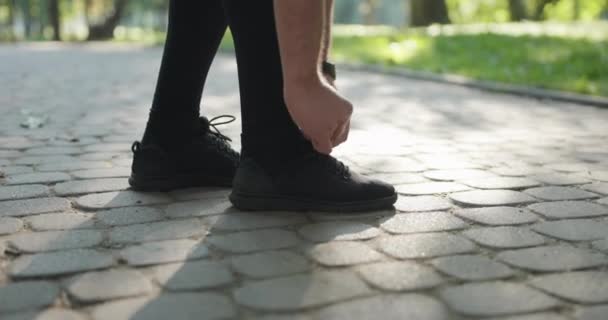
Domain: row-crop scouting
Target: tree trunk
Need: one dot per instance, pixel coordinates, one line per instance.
(27, 18)
(539, 10)
(105, 29)
(426, 12)
(576, 12)
(11, 18)
(54, 18)
(517, 10)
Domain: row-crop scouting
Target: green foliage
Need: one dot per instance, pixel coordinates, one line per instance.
(561, 63)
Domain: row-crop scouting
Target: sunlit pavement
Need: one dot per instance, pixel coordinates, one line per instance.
(502, 212)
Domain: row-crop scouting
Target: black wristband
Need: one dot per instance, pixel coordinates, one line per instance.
(329, 69)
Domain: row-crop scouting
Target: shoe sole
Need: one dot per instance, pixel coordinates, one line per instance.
(168, 183)
(249, 202)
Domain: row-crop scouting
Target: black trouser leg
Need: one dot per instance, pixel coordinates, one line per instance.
(269, 134)
(195, 30)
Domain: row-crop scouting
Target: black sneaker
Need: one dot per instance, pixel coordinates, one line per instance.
(206, 160)
(316, 182)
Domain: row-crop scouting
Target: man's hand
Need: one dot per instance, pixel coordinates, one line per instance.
(320, 112)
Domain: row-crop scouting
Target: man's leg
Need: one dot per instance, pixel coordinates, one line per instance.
(269, 134)
(194, 33)
(180, 150)
(279, 169)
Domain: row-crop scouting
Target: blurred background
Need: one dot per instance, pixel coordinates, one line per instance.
(554, 44)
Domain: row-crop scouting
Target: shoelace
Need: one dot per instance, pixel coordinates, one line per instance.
(213, 123)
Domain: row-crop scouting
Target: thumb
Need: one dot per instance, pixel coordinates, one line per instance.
(323, 146)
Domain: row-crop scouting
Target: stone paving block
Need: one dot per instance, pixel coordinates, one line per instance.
(155, 231)
(601, 245)
(560, 193)
(400, 276)
(569, 209)
(491, 198)
(425, 245)
(569, 166)
(59, 263)
(399, 177)
(116, 172)
(343, 253)
(31, 242)
(338, 231)
(37, 160)
(457, 174)
(53, 151)
(574, 230)
(581, 287)
(106, 285)
(10, 225)
(26, 207)
(599, 175)
(422, 222)
(48, 314)
(389, 307)
(501, 183)
(552, 258)
(427, 188)
(269, 264)
(200, 193)
(422, 203)
(592, 313)
(192, 275)
(27, 295)
(603, 201)
(90, 186)
(204, 207)
(11, 170)
(71, 166)
(100, 156)
(301, 291)
(129, 215)
(389, 164)
(174, 306)
(472, 268)
(61, 221)
(344, 216)
(496, 298)
(248, 220)
(108, 147)
(504, 237)
(117, 199)
(23, 192)
(37, 177)
(447, 164)
(598, 187)
(250, 241)
(519, 171)
(164, 252)
(497, 216)
(560, 179)
(534, 316)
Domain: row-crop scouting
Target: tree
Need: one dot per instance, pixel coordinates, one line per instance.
(105, 29)
(517, 10)
(426, 12)
(539, 9)
(55, 18)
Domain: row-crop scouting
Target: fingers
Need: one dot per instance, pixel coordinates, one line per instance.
(341, 133)
(323, 146)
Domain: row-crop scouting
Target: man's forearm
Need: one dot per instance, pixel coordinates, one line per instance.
(327, 24)
(300, 25)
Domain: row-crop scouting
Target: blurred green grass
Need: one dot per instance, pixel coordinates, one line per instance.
(573, 63)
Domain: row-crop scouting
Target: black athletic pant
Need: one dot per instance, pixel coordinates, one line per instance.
(195, 30)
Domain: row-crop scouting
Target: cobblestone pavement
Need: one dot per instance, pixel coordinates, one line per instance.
(502, 212)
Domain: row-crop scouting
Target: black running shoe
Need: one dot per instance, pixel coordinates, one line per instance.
(206, 160)
(315, 182)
